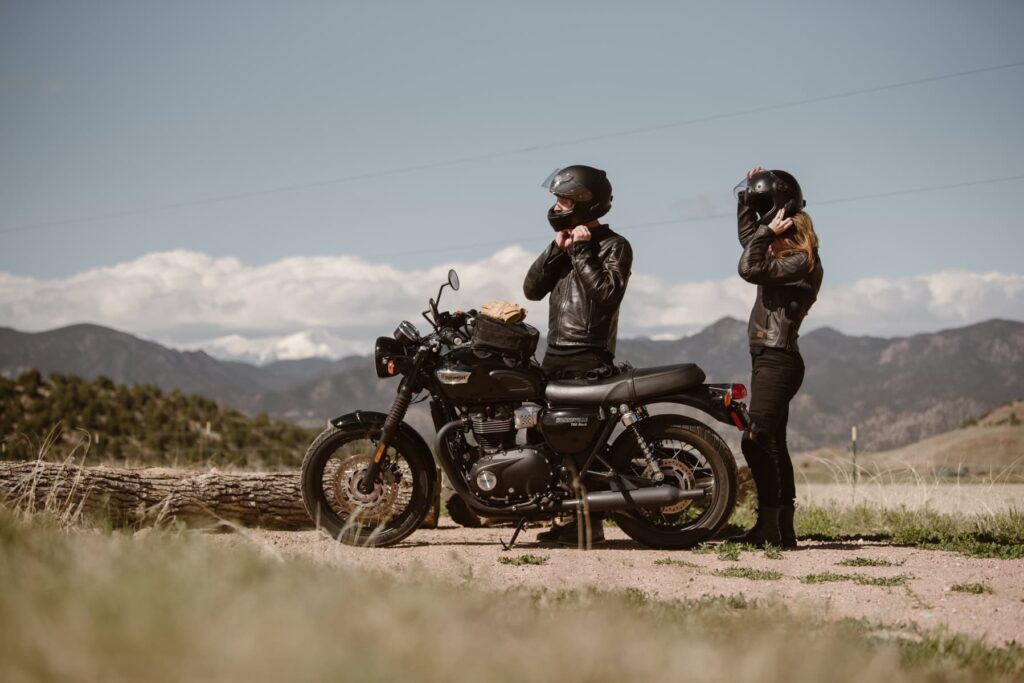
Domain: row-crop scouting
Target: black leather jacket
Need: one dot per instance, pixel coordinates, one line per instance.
(586, 282)
(787, 286)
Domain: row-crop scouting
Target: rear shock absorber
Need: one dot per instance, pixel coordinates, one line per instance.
(630, 418)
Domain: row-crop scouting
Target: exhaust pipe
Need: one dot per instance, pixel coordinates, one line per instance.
(654, 496)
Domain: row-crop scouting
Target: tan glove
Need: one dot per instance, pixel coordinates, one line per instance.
(504, 310)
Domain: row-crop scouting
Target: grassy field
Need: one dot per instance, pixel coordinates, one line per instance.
(989, 450)
(88, 604)
(998, 534)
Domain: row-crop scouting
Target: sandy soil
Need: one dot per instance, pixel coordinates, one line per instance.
(456, 553)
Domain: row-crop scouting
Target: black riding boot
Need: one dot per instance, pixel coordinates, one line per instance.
(786, 530)
(765, 532)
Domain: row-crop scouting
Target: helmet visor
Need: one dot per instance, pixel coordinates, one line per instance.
(740, 191)
(564, 184)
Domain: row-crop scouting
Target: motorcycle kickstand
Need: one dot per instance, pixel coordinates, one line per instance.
(515, 534)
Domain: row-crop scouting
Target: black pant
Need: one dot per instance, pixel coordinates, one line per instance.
(581, 364)
(777, 376)
(584, 363)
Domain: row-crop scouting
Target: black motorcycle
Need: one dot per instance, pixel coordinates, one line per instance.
(515, 446)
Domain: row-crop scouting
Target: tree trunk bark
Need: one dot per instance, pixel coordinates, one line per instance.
(271, 500)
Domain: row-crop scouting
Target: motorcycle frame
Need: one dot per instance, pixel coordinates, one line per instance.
(707, 398)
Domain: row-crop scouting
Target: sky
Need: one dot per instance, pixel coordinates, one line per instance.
(270, 180)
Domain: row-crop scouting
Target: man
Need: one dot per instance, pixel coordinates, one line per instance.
(585, 269)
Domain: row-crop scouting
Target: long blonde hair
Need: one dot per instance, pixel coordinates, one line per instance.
(802, 238)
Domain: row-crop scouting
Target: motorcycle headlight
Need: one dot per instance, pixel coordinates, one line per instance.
(386, 355)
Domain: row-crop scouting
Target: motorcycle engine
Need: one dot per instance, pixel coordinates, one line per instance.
(506, 470)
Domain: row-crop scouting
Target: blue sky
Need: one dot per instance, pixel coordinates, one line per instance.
(108, 108)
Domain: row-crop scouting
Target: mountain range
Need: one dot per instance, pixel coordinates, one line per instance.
(895, 390)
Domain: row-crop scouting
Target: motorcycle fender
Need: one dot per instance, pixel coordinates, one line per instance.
(703, 400)
(372, 418)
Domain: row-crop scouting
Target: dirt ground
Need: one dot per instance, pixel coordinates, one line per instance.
(455, 553)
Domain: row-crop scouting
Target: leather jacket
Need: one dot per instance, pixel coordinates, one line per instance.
(587, 282)
(787, 285)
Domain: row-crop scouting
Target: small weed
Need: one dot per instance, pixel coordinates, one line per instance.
(772, 553)
(730, 551)
(676, 563)
(748, 573)
(898, 580)
(865, 562)
(860, 579)
(520, 560)
(974, 588)
(825, 577)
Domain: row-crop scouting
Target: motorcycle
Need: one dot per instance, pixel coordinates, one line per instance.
(517, 447)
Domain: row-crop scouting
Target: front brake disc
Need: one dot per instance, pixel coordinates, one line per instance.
(374, 508)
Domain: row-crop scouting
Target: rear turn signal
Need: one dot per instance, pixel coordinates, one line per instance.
(391, 367)
(738, 391)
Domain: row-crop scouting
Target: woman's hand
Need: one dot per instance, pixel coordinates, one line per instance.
(780, 223)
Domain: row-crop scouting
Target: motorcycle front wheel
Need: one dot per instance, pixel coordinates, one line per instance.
(335, 463)
(690, 455)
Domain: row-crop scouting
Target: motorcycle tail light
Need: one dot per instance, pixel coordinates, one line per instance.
(391, 367)
(738, 391)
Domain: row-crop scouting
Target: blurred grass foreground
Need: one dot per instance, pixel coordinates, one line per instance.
(90, 604)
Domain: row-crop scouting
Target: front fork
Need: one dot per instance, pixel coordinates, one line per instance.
(391, 424)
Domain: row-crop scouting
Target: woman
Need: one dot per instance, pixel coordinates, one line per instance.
(780, 256)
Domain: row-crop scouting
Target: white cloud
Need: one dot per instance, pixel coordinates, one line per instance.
(305, 344)
(336, 305)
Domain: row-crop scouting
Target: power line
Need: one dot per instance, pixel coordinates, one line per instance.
(731, 214)
(507, 153)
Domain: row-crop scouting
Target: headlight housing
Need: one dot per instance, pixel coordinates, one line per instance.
(387, 356)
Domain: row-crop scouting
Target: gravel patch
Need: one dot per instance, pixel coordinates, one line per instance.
(455, 553)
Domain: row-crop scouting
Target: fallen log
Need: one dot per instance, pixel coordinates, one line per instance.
(132, 497)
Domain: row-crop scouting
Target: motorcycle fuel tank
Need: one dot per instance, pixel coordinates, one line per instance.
(484, 380)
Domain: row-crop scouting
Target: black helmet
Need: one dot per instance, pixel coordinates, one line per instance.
(589, 190)
(768, 191)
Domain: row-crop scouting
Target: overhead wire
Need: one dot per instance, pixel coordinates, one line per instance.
(505, 153)
(714, 216)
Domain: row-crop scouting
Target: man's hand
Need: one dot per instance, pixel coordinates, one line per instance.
(581, 233)
(752, 172)
(563, 238)
(780, 223)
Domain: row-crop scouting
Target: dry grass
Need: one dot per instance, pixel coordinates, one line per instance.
(82, 605)
(989, 450)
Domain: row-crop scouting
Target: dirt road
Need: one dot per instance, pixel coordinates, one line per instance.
(456, 553)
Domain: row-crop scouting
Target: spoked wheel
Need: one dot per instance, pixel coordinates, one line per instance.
(690, 455)
(332, 469)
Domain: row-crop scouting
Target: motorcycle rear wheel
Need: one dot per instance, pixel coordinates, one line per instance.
(396, 507)
(690, 454)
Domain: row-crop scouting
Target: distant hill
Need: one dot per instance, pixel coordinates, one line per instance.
(103, 422)
(990, 448)
(897, 391)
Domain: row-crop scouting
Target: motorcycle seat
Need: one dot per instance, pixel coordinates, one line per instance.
(628, 387)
